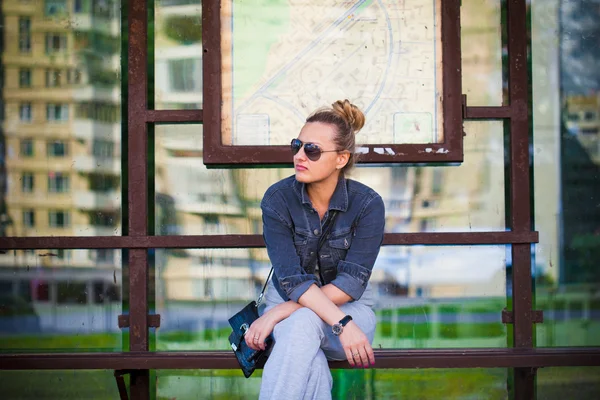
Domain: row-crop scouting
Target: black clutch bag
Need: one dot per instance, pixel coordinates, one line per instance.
(248, 359)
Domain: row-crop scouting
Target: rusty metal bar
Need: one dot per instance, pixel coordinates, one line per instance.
(509, 318)
(252, 241)
(520, 217)
(153, 321)
(121, 383)
(175, 116)
(426, 358)
(487, 113)
(137, 171)
(520, 208)
(211, 77)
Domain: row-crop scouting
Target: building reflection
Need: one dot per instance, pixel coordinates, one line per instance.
(60, 175)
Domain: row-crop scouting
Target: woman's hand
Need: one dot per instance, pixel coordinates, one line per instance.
(259, 331)
(357, 347)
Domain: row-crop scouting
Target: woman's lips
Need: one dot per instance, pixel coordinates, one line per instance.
(301, 168)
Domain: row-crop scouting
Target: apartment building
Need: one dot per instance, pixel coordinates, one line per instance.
(62, 130)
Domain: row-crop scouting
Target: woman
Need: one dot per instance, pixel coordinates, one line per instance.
(323, 233)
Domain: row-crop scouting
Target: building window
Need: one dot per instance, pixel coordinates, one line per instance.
(57, 112)
(27, 182)
(427, 225)
(438, 177)
(52, 77)
(105, 256)
(55, 7)
(103, 183)
(28, 218)
(102, 219)
(42, 291)
(73, 76)
(24, 77)
(59, 219)
(58, 182)
(25, 34)
(589, 116)
(103, 149)
(102, 112)
(55, 43)
(25, 114)
(71, 293)
(78, 6)
(57, 148)
(185, 75)
(27, 149)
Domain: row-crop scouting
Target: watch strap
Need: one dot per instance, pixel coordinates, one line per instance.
(345, 320)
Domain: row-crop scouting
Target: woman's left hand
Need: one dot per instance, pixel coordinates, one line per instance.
(259, 331)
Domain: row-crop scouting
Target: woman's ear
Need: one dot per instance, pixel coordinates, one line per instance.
(342, 159)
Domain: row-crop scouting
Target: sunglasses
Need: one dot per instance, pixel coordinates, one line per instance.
(312, 151)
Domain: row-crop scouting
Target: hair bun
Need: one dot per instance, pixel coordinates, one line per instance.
(349, 113)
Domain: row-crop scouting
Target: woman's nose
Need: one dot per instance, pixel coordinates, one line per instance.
(300, 155)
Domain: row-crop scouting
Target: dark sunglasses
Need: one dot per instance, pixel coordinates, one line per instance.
(312, 151)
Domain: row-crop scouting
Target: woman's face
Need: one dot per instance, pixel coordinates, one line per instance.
(330, 162)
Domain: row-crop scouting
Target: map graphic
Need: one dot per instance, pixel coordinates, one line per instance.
(282, 59)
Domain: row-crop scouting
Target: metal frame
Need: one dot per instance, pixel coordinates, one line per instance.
(523, 357)
(218, 154)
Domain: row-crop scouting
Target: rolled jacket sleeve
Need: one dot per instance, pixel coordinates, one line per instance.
(279, 238)
(354, 271)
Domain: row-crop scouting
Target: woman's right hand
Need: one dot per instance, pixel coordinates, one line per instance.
(356, 346)
(258, 332)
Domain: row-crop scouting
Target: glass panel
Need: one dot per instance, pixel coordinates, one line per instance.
(481, 51)
(65, 300)
(347, 384)
(566, 135)
(58, 101)
(291, 58)
(178, 54)
(60, 384)
(557, 383)
(426, 296)
(193, 200)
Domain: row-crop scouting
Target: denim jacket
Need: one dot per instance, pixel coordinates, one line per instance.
(292, 228)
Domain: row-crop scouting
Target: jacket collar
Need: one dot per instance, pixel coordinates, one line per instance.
(339, 200)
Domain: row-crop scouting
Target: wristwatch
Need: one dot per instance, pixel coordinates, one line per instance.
(339, 327)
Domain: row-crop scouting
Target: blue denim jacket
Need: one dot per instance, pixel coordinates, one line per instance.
(292, 228)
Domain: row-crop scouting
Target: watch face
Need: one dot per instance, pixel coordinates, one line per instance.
(337, 329)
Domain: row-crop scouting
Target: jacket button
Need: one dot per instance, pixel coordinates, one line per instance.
(316, 232)
(312, 253)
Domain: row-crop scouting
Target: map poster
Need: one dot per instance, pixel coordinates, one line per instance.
(282, 59)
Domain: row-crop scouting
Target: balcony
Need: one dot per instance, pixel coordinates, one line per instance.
(87, 22)
(88, 130)
(97, 94)
(208, 208)
(94, 230)
(89, 200)
(89, 164)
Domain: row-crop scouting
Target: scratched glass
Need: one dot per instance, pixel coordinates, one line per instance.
(566, 171)
(62, 119)
(283, 62)
(482, 53)
(61, 146)
(63, 300)
(177, 54)
(347, 384)
(425, 296)
(59, 384)
(193, 200)
(555, 383)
